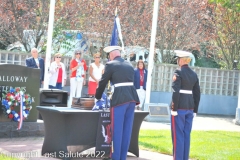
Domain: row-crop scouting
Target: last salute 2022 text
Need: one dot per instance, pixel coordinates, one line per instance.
(86, 154)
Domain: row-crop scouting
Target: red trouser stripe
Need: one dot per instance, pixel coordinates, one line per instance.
(174, 138)
(112, 128)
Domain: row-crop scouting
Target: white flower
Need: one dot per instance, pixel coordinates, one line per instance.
(30, 107)
(8, 111)
(16, 115)
(24, 100)
(9, 103)
(24, 107)
(21, 92)
(24, 114)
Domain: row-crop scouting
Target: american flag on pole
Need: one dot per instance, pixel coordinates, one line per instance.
(20, 113)
(116, 32)
(114, 39)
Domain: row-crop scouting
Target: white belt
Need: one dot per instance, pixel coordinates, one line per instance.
(123, 84)
(185, 91)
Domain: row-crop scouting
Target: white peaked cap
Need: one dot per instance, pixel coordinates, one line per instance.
(112, 48)
(180, 53)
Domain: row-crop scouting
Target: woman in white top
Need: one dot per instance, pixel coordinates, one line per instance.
(95, 74)
(57, 73)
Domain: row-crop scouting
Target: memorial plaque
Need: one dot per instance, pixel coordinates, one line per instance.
(157, 110)
(20, 76)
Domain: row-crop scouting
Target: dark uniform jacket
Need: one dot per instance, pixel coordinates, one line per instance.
(185, 79)
(30, 62)
(118, 71)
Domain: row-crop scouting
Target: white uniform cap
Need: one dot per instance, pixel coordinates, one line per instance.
(180, 53)
(112, 48)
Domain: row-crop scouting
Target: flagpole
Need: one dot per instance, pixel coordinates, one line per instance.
(49, 43)
(152, 47)
(237, 117)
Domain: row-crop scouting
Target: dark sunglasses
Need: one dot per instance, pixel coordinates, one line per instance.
(77, 53)
(58, 57)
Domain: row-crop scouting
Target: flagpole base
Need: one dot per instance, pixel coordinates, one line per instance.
(237, 119)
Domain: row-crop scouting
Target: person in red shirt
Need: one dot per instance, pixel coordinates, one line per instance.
(57, 73)
(78, 69)
(140, 80)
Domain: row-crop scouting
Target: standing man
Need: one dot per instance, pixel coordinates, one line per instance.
(185, 100)
(123, 101)
(36, 62)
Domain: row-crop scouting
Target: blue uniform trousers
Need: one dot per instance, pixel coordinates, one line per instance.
(121, 123)
(181, 126)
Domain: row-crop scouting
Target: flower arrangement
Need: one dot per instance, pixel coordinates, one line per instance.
(12, 99)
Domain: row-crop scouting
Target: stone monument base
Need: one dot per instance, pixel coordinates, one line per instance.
(9, 129)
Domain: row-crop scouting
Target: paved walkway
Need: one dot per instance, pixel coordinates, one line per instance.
(201, 122)
(30, 147)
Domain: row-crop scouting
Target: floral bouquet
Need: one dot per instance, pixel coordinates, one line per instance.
(16, 97)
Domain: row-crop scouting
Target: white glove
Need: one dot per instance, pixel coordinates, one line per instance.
(174, 113)
(194, 115)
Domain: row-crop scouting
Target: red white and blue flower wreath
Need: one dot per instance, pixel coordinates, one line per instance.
(16, 97)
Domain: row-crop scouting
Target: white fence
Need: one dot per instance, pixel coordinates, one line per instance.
(212, 81)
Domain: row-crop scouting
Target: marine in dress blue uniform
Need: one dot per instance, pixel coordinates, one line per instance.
(123, 101)
(184, 106)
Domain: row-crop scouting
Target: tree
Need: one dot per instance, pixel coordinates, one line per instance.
(20, 15)
(135, 17)
(26, 20)
(66, 19)
(183, 25)
(226, 22)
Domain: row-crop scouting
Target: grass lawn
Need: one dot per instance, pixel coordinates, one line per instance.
(4, 157)
(205, 145)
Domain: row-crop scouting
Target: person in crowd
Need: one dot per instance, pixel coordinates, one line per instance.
(184, 106)
(57, 73)
(140, 80)
(121, 74)
(96, 70)
(36, 62)
(78, 69)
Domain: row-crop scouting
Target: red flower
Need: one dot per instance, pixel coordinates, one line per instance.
(9, 94)
(17, 89)
(10, 116)
(26, 96)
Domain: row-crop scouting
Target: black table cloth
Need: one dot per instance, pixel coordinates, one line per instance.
(69, 131)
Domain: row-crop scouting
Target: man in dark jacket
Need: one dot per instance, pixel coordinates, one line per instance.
(123, 101)
(36, 62)
(185, 101)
